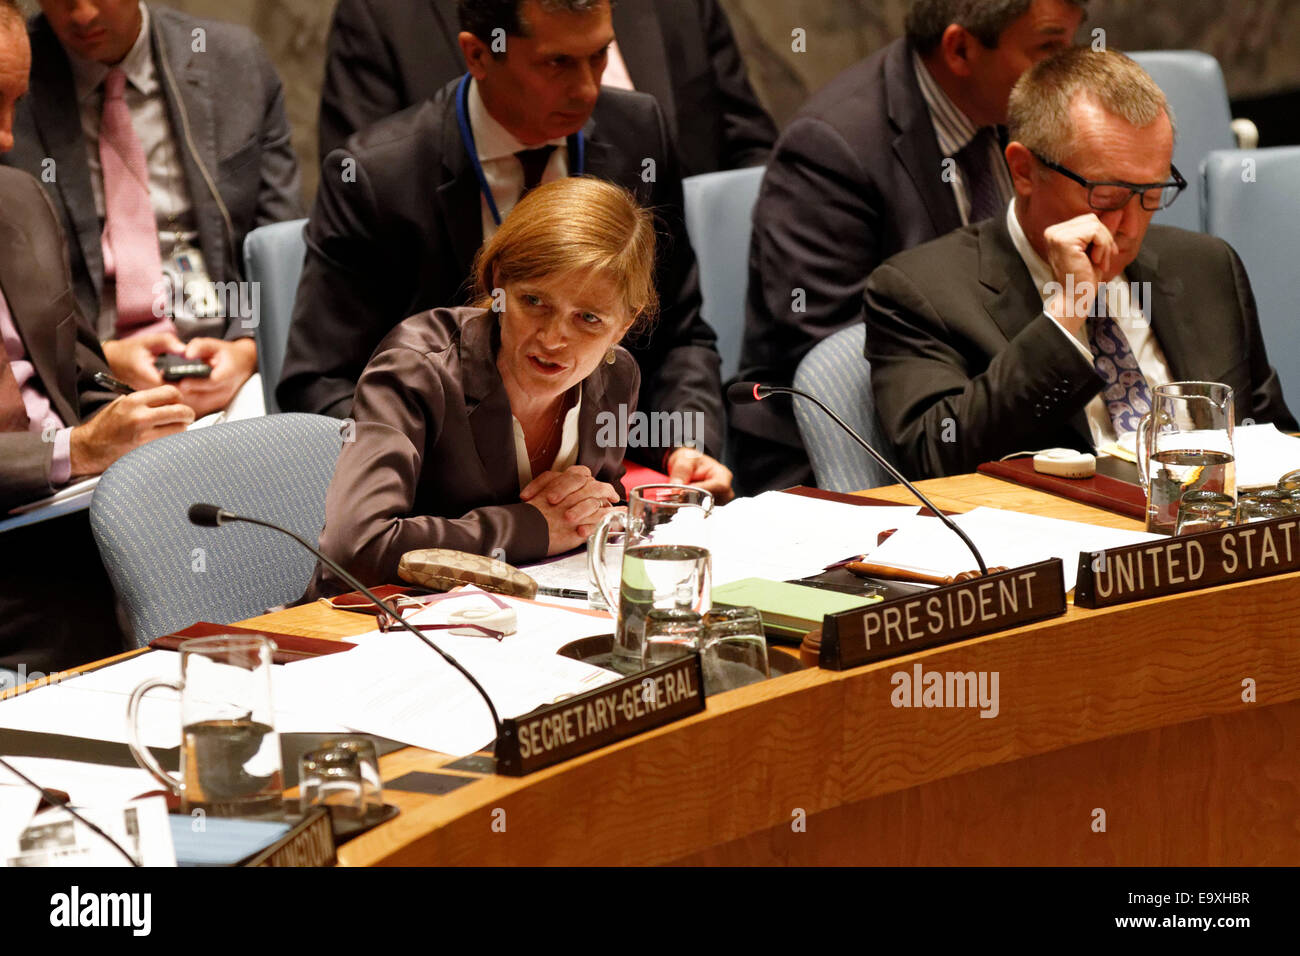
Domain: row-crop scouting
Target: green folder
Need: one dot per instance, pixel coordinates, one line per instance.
(788, 610)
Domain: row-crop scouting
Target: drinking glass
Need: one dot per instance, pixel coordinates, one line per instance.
(665, 562)
(1205, 511)
(1184, 444)
(1290, 483)
(1262, 505)
(734, 652)
(230, 752)
(670, 633)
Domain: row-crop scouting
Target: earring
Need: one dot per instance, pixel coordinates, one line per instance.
(609, 357)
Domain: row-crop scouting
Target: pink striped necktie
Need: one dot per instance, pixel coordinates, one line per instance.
(130, 240)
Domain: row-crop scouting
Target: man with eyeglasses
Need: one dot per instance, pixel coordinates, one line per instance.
(1050, 326)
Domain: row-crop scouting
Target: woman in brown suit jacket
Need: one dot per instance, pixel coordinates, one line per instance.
(477, 428)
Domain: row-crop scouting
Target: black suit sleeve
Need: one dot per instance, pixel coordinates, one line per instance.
(814, 244)
(678, 358)
(748, 133)
(1266, 403)
(361, 84)
(945, 416)
(346, 290)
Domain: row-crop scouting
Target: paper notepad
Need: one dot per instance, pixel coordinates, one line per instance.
(790, 610)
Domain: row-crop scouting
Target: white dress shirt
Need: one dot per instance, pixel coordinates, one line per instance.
(168, 190)
(496, 147)
(566, 457)
(1127, 315)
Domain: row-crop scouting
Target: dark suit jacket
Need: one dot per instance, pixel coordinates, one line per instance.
(956, 333)
(56, 604)
(855, 177)
(231, 97)
(386, 55)
(433, 463)
(402, 238)
(59, 342)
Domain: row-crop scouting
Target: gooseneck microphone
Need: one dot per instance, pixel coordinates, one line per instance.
(210, 516)
(746, 393)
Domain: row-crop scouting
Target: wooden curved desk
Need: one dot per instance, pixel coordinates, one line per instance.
(1130, 717)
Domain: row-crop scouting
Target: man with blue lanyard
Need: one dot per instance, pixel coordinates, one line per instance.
(404, 206)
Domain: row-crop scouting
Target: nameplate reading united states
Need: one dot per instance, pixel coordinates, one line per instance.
(1188, 562)
(653, 697)
(943, 615)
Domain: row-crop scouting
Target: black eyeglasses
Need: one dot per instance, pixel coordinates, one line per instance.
(1109, 196)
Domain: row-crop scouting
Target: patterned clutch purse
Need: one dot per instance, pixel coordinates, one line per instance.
(441, 570)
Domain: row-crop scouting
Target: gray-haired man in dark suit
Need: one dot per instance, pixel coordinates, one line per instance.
(897, 150)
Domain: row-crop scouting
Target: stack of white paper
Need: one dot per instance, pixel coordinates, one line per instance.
(1006, 538)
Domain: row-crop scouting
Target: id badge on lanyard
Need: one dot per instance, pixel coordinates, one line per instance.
(189, 288)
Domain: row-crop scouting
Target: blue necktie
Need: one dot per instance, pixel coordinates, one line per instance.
(1126, 393)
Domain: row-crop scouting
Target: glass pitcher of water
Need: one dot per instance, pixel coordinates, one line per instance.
(665, 561)
(1184, 444)
(230, 752)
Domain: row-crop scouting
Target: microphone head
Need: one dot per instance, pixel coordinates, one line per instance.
(206, 516)
(746, 393)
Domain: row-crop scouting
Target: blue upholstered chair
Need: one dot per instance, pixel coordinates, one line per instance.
(169, 573)
(1193, 85)
(273, 258)
(836, 373)
(719, 213)
(1252, 200)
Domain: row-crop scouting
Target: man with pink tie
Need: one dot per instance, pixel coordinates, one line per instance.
(162, 141)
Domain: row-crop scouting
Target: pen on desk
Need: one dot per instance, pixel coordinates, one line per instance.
(107, 381)
(569, 593)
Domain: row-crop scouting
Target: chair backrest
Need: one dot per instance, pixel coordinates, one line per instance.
(836, 372)
(719, 217)
(169, 573)
(1252, 200)
(1193, 85)
(273, 258)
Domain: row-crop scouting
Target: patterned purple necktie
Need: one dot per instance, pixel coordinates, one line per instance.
(1126, 393)
(983, 187)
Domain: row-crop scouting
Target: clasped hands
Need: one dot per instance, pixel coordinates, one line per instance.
(572, 502)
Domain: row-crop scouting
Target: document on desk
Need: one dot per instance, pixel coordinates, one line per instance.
(1007, 538)
(396, 686)
(93, 705)
(783, 537)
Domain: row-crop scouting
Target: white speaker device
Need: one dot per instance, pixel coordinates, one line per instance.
(1065, 463)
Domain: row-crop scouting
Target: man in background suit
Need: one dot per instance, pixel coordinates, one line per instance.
(1036, 328)
(401, 213)
(56, 424)
(201, 111)
(384, 56)
(897, 150)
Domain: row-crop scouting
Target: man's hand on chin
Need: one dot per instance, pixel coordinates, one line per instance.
(1082, 252)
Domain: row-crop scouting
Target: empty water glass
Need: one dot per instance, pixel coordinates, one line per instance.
(670, 633)
(1205, 511)
(734, 651)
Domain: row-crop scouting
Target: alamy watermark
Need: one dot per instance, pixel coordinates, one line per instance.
(919, 688)
(649, 429)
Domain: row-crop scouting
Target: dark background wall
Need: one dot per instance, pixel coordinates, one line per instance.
(1256, 41)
